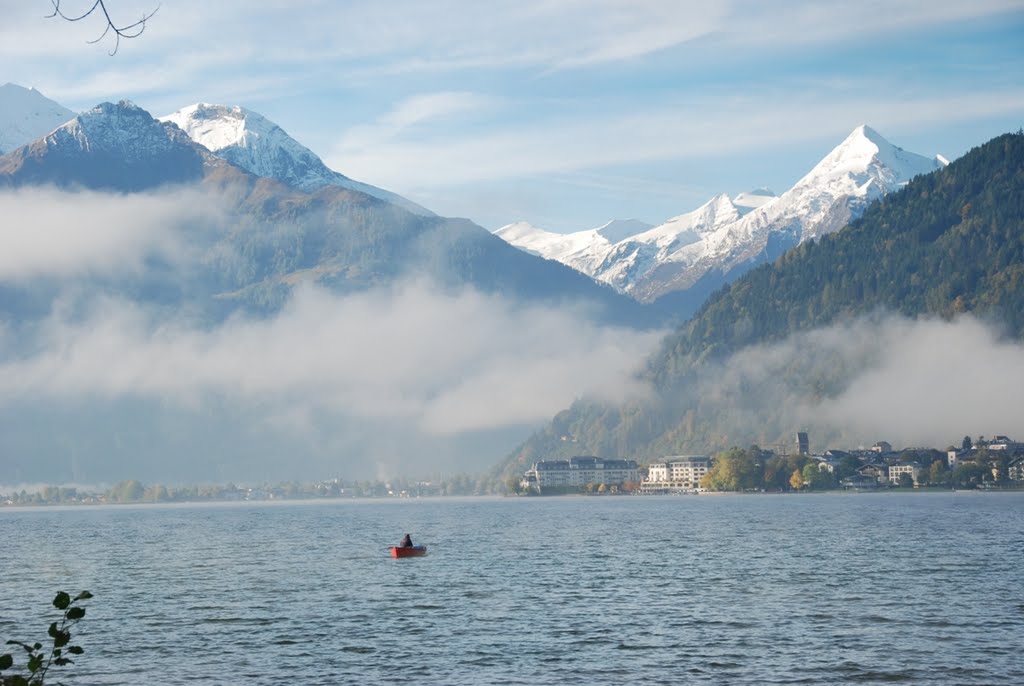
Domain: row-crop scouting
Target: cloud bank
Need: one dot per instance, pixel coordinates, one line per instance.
(407, 379)
(446, 364)
(911, 382)
(50, 233)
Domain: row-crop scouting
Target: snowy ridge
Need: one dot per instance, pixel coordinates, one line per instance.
(25, 115)
(751, 200)
(124, 129)
(726, 236)
(254, 143)
(116, 147)
(621, 229)
(582, 250)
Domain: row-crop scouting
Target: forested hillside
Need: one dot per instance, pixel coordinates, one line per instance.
(950, 242)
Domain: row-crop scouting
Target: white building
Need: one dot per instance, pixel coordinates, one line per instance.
(913, 469)
(577, 472)
(677, 474)
(1005, 443)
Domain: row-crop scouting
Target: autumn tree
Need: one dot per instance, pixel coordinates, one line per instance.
(737, 470)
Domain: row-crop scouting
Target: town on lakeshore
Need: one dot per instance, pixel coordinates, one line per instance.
(997, 463)
(987, 464)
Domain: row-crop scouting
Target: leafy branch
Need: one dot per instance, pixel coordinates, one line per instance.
(133, 30)
(39, 662)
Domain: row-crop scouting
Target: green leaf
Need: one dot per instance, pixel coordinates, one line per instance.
(34, 663)
(75, 613)
(18, 680)
(6, 660)
(61, 601)
(52, 630)
(84, 595)
(61, 639)
(76, 650)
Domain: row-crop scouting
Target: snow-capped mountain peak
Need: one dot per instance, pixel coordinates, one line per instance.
(563, 247)
(253, 142)
(218, 126)
(726, 236)
(124, 129)
(26, 114)
(861, 169)
(258, 145)
(112, 147)
(865, 151)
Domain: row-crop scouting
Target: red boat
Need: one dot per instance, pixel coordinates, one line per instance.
(414, 551)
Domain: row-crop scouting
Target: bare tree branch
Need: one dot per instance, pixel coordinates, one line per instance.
(127, 31)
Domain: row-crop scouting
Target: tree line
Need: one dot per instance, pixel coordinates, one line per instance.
(134, 491)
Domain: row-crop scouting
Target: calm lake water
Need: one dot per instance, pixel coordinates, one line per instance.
(830, 589)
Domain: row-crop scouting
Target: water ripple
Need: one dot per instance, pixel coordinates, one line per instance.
(876, 589)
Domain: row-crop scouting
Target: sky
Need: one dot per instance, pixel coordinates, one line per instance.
(566, 114)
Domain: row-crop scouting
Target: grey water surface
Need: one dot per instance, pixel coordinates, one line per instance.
(882, 588)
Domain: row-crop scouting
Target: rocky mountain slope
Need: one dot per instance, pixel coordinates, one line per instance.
(273, 235)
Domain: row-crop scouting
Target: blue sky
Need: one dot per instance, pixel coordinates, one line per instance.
(566, 113)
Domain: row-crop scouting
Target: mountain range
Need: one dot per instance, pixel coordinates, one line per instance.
(695, 253)
(343, 234)
(904, 321)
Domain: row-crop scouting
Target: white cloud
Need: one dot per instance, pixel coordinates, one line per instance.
(911, 382)
(407, 117)
(446, 364)
(53, 233)
(933, 381)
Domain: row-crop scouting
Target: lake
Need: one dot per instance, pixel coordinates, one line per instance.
(760, 589)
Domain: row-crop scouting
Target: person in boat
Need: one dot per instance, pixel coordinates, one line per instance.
(406, 542)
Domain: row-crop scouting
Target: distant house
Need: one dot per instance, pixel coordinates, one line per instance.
(1005, 443)
(677, 474)
(826, 464)
(577, 472)
(953, 457)
(882, 447)
(913, 469)
(878, 472)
